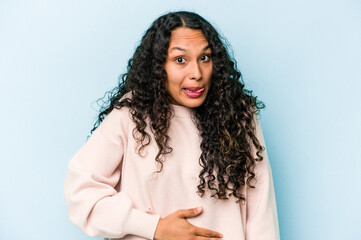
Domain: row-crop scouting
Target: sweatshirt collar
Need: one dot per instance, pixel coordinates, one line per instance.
(181, 111)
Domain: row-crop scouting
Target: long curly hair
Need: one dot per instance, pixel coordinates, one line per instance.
(225, 120)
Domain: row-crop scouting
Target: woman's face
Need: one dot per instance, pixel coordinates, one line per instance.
(188, 67)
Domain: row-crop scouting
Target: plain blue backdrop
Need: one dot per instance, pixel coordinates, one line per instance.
(301, 57)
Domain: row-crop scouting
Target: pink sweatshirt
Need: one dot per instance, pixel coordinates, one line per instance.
(112, 192)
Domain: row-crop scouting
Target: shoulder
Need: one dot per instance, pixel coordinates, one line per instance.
(116, 124)
(118, 115)
(115, 121)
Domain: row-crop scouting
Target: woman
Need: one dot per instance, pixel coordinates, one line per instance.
(178, 153)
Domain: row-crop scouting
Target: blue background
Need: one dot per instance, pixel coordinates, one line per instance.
(301, 57)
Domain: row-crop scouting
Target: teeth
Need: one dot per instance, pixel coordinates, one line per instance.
(187, 90)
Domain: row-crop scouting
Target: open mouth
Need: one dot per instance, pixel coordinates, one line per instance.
(194, 89)
(193, 92)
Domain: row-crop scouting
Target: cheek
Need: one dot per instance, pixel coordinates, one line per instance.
(208, 75)
(172, 84)
(174, 79)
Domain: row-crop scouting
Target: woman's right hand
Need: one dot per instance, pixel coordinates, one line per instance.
(175, 226)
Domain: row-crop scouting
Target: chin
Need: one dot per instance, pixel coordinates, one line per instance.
(193, 103)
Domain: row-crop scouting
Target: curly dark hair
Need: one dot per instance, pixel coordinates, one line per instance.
(225, 119)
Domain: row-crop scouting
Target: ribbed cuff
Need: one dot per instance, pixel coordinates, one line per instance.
(141, 224)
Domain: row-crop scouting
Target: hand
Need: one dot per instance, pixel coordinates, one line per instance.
(175, 226)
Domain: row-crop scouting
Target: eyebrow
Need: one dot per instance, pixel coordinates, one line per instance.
(184, 50)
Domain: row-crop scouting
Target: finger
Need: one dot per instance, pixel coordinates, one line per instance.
(207, 238)
(203, 232)
(188, 213)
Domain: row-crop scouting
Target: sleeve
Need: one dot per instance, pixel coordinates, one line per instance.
(93, 203)
(260, 211)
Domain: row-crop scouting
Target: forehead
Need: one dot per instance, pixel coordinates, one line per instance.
(187, 37)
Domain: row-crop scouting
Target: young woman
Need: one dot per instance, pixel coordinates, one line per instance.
(178, 151)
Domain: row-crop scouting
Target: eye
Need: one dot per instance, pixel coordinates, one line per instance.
(205, 58)
(180, 60)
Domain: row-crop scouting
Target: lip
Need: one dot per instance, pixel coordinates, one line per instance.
(195, 89)
(195, 92)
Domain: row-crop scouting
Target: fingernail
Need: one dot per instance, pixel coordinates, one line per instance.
(199, 209)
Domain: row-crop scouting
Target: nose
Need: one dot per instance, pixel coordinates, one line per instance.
(195, 72)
